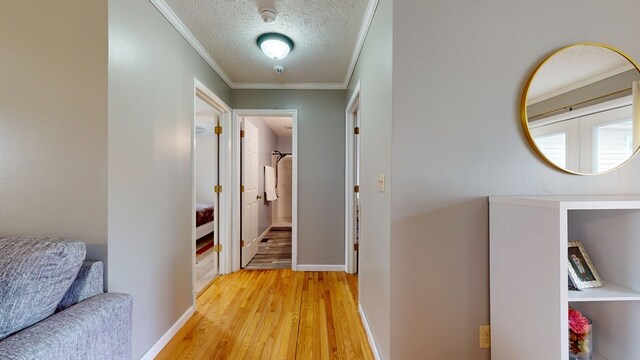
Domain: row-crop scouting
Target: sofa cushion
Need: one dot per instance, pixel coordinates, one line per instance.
(87, 284)
(35, 273)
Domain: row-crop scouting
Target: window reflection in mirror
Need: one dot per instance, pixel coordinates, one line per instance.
(581, 109)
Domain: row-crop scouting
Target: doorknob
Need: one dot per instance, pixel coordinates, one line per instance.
(258, 197)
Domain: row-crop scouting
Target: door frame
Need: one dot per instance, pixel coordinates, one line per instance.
(355, 102)
(236, 179)
(224, 175)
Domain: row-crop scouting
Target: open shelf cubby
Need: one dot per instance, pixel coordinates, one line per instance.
(529, 271)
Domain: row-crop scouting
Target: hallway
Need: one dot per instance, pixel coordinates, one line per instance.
(273, 314)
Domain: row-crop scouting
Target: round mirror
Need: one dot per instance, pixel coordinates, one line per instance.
(581, 109)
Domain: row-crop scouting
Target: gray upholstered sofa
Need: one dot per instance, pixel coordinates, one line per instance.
(52, 304)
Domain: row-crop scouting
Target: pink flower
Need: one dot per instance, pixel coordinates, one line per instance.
(578, 323)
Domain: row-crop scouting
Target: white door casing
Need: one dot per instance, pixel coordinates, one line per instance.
(250, 195)
(353, 117)
(223, 208)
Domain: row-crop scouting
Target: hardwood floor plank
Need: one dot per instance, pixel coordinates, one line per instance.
(273, 314)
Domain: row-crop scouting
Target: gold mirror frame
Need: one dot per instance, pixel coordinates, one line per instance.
(525, 118)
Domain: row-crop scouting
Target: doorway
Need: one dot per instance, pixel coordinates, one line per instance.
(206, 180)
(353, 213)
(267, 180)
(210, 206)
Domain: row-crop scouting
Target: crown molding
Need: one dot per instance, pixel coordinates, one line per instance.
(577, 85)
(372, 5)
(174, 20)
(289, 86)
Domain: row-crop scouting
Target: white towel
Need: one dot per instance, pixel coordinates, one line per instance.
(270, 183)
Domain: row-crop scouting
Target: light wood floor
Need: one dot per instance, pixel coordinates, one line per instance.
(274, 314)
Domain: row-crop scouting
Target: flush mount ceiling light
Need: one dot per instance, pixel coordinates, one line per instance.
(275, 46)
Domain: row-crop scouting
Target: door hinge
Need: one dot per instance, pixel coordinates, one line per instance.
(356, 189)
(241, 243)
(356, 130)
(217, 248)
(241, 133)
(217, 189)
(355, 247)
(241, 188)
(218, 130)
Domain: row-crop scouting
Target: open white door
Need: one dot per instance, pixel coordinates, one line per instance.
(356, 194)
(353, 215)
(250, 195)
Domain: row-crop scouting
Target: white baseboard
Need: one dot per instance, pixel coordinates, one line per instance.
(367, 329)
(265, 233)
(164, 340)
(301, 267)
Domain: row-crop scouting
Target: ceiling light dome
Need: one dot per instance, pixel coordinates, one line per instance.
(275, 46)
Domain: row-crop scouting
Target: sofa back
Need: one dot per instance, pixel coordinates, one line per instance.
(88, 283)
(35, 274)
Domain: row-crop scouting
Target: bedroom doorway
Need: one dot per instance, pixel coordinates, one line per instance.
(206, 181)
(267, 180)
(353, 215)
(211, 159)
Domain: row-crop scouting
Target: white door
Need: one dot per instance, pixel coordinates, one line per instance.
(356, 195)
(250, 195)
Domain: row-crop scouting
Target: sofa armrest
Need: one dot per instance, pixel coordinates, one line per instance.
(97, 328)
(88, 283)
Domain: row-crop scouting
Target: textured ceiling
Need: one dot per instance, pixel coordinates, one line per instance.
(324, 33)
(573, 68)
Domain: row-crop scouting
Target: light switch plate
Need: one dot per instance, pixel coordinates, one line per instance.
(381, 182)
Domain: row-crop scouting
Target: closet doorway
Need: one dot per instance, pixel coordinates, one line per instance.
(267, 159)
(209, 206)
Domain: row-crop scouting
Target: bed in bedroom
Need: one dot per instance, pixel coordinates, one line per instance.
(204, 219)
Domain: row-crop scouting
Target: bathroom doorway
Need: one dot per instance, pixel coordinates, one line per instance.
(275, 243)
(268, 189)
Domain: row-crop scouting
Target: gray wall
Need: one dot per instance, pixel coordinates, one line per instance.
(373, 70)
(151, 106)
(320, 166)
(267, 142)
(458, 72)
(53, 121)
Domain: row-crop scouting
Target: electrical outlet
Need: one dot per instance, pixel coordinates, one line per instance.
(485, 336)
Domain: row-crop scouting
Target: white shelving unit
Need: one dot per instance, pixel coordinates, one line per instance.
(529, 271)
(609, 292)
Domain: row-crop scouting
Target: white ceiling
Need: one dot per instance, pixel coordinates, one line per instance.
(573, 68)
(327, 36)
(279, 125)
